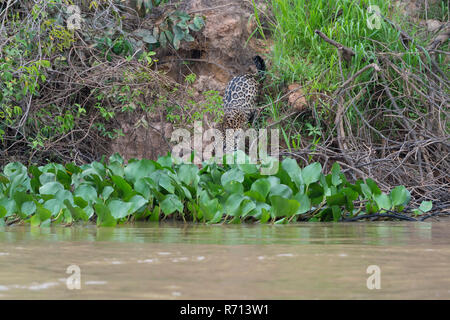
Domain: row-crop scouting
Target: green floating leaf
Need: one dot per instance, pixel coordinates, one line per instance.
(145, 187)
(43, 213)
(86, 192)
(305, 203)
(400, 196)
(28, 208)
(293, 170)
(311, 173)
(3, 212)
(383, 201)
(116, 157)
(104, 217)
(165, 162)
(51, 188)
(188, 174)
(122, 185)
(426, 206)
(234, 187)
(119, 209)
(336, 174)
(170, 204)
(154, 216)
(281, 190)
(54, 206)
(282, 207)
(107, 191)
(139, 169)
(232, 175)
(373, 186)
(336, 210)
(9, 205)
(76, 212)
(337, 200)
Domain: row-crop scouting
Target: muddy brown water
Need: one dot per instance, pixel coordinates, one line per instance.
(185, 261)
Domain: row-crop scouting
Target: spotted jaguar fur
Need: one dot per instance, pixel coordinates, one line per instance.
(239, 103)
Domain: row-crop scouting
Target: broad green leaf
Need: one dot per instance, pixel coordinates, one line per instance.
(165, 161)
(255, 195)
(51, 188)
(366, 191)
(305, 203)
(9, 205)
(47, 177)
(155, 214)
(87, 192)
(233, 203)
(107, 191)
(336, 213)
(104, 217)
(170, 204)
(336, 174)
(3, 212)
(28, 208)
(282, 207)
(383, 201)
(188, 174)
(62, 195)
(43, 213)
(234, 187)
(139, 169)
(212, 210)
(293, 170)
(119, 209)
(54, 206)
(116, 157)
(137, 202)
(262, 187)
(146, 35)
(373, 186)
(338, 199)
(145, 186)
(265, 215)
(116, 169)
(426, 206)
(77, 212)
(281, 190)
(232, 175)
(35, 221)
(311, 173)
(122, 185)
(399, 196)
(14, 168)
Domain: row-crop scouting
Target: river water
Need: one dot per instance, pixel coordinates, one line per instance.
(186, 261)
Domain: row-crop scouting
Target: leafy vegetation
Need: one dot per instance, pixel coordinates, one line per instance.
(113, 192)
(367, 82)
(63, 90)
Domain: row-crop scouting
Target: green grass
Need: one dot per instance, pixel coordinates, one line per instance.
(301, 55)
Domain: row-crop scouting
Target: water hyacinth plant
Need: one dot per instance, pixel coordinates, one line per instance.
(112, 192)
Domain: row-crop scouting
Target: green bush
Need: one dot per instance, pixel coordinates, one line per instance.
(113, 192)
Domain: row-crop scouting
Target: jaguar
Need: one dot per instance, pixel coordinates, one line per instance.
(239, 102)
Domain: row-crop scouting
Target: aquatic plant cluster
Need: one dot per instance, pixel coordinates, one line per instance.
(112, 192)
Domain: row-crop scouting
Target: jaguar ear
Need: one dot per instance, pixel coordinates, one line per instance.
(259, 63)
